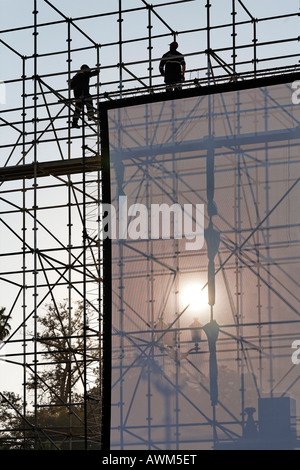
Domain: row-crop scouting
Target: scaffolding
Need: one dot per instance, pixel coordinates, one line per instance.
(52, 259)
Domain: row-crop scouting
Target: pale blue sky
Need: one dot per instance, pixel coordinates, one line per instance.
(184, 16)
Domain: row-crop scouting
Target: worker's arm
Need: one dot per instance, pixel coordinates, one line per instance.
(94, 72)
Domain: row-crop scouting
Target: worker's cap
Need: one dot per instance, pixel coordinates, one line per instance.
(84, 67)
(174, 45)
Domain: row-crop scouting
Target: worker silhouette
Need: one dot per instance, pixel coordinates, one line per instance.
(172, 67)
(80, 84)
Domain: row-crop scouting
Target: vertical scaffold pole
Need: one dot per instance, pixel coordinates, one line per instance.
(84, 266)
(24, 243)
(69, 62)
(255, 45)
(150, 47)
(208, 42)
(120, 20)
(35, 206)
(233, 36)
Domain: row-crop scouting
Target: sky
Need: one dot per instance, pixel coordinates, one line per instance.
(185, 16)
(181, 17)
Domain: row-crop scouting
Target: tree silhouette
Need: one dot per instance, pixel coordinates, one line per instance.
(60, 416)
(4, 325)
(61, 338)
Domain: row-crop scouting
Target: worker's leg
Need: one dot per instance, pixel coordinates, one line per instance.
(78, 110)
(169, 84)
(178, 87)
(173, 82)
(89, 106)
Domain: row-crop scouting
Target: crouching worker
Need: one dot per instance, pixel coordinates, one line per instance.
(80, 84)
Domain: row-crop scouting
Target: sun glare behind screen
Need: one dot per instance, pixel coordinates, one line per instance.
(192, 296)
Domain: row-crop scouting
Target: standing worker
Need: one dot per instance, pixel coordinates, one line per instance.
(172, 67)
(80, 84)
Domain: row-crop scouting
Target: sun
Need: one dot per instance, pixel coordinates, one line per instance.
(194, 296)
